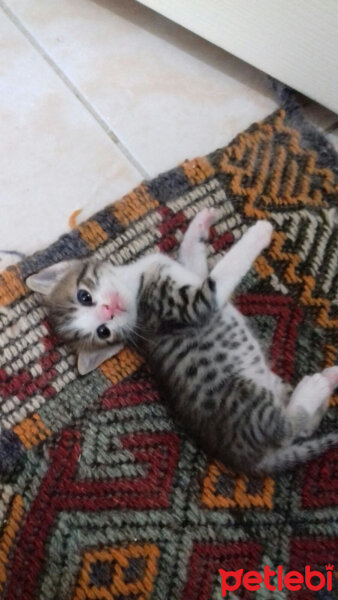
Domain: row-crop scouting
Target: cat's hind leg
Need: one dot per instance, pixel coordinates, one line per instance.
(306, 407)
(192, 252)
(309, 401)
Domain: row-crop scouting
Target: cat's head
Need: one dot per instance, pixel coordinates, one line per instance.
(89, 307)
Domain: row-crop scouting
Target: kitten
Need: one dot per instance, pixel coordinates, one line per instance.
(209, 366)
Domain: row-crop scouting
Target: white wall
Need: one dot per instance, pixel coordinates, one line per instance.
(295, 41)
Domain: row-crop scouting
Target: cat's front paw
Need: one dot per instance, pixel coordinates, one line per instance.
(261, 233)
(200, 226)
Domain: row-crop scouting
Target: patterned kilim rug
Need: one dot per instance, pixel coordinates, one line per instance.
(101, 496)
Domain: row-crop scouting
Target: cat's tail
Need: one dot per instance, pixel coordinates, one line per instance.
(289, 456)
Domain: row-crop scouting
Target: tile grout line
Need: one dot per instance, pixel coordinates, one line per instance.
(72, 87)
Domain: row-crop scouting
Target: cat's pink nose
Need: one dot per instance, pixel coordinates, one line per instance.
(112, 307)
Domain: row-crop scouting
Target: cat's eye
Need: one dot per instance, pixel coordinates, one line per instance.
(103, 332)
(84, 297)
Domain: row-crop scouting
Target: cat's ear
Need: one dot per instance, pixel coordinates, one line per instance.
(88, 360)
(44, 281)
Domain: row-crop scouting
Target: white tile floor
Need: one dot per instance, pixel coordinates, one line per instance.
(96, 95)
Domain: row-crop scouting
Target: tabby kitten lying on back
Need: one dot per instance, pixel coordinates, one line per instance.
(206, 360)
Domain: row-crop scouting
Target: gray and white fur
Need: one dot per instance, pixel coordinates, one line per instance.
(209, 367)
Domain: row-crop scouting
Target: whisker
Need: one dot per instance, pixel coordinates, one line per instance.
(142, 328)
(133, 332)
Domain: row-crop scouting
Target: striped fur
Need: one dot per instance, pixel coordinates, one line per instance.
(208, 366)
